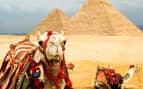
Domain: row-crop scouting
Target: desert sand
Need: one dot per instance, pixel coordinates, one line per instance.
(88, 51)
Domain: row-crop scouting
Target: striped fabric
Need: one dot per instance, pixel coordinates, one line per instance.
(14, 65)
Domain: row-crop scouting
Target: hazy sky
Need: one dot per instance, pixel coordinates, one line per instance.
(24, 15)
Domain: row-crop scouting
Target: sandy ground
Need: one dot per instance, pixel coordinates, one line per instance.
(89, 51)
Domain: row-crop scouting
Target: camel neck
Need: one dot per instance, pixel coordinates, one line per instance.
(127, 77)
(56, 65)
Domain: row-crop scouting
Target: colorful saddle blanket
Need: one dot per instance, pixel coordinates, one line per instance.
(111, 76)
(15, 64)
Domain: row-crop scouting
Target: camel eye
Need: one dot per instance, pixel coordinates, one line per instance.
(40, 43)
(64, 42)
(52, 43)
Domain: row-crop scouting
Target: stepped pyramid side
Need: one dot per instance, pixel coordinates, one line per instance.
(92, 1)
(55, 21)
(119, 23)
(100, 17)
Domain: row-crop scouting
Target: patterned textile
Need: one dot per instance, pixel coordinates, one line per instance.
(15, 64)
(111, 76)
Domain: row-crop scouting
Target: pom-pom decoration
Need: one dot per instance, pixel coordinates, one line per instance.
(50, 33)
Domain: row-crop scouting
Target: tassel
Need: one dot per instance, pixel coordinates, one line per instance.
(50, 33)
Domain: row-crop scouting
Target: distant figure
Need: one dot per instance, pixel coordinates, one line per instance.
(70, 66)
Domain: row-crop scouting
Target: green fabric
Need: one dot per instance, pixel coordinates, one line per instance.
(25, 83)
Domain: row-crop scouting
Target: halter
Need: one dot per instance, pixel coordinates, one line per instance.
(62, 74)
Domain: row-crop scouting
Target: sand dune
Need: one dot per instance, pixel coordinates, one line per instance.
(119, 49)
(83, 77)
(106, 49)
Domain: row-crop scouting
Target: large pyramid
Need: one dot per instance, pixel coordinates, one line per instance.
(100, 17)
(55, 21)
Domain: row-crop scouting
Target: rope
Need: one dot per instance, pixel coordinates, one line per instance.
(62, 74)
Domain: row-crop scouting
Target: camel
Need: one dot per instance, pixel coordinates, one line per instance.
(106, 78)
(51, 53)
(27, 66)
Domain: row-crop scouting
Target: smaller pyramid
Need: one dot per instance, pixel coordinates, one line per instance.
(55, 21)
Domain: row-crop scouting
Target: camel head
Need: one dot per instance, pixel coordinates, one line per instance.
(133, 67)
(53, 45)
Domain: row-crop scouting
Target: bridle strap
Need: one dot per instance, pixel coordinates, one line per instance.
(61, 71)
(43, 52)
(49, 34)
(62, 75)
(45, 43)
(45, 59)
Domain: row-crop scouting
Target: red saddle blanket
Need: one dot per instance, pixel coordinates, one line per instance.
(111, 76)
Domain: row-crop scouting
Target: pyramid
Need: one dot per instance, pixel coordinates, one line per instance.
(55, 21)
(101, 18)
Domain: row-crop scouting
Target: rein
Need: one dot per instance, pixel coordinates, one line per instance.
(62, 74)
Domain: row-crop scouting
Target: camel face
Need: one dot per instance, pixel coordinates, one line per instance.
(133, 68)
(53, 47)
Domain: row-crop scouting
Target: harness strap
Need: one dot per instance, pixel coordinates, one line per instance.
(48, 35)
(47, 62)
(37, 84)
(45, 43)
(62, 74)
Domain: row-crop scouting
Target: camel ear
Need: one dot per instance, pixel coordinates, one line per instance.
(39, 35)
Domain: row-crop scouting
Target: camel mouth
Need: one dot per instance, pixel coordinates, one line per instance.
(54, 58)
(98, 84)
(101, 85)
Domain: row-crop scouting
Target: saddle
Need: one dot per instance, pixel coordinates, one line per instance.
(111, 76)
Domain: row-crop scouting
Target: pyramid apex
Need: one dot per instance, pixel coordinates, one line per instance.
(56, 9)
(99, 0)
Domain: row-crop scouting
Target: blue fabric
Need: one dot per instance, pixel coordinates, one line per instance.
(36, 75)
